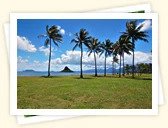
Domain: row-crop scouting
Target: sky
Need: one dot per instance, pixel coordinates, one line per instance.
(32, 54)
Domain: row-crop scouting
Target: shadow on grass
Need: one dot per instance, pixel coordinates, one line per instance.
(50, 76)
(142, 78)
(102, 76)
(99, 76)
(126, 77)
(46, 76)
(84, 78)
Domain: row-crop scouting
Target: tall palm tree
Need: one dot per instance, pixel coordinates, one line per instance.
(133, 32)
(94, 47)
(115, 60)
(122, 46)
(118, 50)
(82, 37)
(107, 49)
(52, 35)
(126, 47)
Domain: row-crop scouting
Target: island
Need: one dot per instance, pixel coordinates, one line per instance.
(66, 69)
(29, 70)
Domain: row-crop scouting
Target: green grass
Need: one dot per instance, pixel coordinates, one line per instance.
(90, 92)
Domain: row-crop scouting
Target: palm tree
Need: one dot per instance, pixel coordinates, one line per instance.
(122, 46)
(118, 50)
(107, 49)
(133, 32)
(82, 37)
(52, 34)
(115, 60)
(126, 47)
(94, 47)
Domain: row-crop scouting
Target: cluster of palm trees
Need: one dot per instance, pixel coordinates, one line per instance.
(125, 44)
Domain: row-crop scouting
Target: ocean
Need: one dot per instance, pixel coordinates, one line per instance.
(42, 73)
(45, 73)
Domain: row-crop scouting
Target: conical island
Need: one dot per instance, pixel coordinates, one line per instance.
(66, 69)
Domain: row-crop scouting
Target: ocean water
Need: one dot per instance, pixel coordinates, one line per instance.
(56, 73)
(45, 73)
(36, 73)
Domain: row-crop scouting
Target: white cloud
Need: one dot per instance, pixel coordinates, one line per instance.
(72, 60)
(59, 27)
(69, 34)
(25, 64)
(46, 50)
(36, 61)
(21, 60)
(140, 57)
(147, 24)
(24, 44)
(21, 63)
(62, 31)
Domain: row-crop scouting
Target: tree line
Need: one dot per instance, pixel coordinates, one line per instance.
(124, 45)
(140, 68)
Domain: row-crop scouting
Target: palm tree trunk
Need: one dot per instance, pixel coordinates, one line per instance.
(120, 67)
(49, 61)
(105, 65)
(113, 67)
(123, 66)
(133, 67)
(81, 73)
(95, 64)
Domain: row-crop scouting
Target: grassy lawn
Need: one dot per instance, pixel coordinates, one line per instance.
(90, 92)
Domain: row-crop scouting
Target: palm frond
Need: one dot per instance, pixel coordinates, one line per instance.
(46, 43)
(55, 43)
(76, 45)
(47, 28)
(140, 27)
(74, 41)
(90, 52)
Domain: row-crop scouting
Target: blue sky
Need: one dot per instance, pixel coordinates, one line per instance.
(33, 55)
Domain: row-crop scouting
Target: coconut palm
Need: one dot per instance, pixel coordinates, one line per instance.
(118, 50)
(82, 37)
(52, 35)
(126, 47)
(94, 47)
(115, 60)
(107, 49)
(134, 32)
(120, 47)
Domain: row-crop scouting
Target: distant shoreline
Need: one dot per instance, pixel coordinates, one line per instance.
(60, 74)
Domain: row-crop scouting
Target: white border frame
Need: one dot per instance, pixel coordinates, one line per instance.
(13, 64)
(123, 9)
